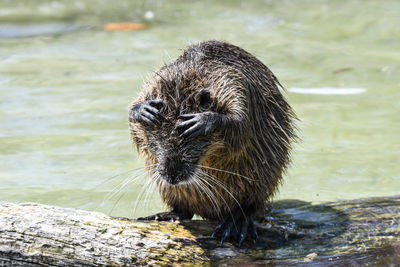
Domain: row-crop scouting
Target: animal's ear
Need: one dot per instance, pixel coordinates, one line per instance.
(204, 98)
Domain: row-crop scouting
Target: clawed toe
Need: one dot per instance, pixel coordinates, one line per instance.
(196, 124)
(238, 227)
(162, 216)
(252, 231)
(147, 112)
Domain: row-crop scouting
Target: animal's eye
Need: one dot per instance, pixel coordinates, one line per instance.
(204, 98)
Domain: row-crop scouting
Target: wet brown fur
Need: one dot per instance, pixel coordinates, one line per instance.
(257, 146)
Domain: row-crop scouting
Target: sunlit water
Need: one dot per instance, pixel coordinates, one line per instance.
(65, 86)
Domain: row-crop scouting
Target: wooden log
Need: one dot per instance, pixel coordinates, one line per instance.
(293, 232)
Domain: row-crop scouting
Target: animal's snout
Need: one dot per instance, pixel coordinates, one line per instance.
(173, 170)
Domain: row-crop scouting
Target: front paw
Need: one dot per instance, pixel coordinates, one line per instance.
(147, 112)
(163, 216)
(196, 124)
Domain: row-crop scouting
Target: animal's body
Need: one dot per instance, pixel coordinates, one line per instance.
(216, 133)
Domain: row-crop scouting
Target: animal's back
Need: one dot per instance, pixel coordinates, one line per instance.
(271, 119)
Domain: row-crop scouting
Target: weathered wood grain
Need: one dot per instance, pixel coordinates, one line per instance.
(293, 232)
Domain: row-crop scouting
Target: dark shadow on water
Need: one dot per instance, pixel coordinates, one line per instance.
(296, 233)
(290, 221)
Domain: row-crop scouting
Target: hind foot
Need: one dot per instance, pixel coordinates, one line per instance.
(238, 226)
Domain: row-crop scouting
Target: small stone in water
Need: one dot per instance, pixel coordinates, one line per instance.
(312, 256)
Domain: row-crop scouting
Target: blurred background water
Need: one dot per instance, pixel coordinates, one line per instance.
(66, 83)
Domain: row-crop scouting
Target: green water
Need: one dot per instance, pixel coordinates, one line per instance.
(65, 87)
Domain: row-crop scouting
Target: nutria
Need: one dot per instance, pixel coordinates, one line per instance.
(216, 134)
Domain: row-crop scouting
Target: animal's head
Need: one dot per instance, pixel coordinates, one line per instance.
(183, 90)
(176, 157)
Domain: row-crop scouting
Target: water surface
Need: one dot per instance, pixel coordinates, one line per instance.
(65, 87)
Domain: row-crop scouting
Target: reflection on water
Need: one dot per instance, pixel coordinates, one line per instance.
(327, 91)
(27, 30)
(64, 92)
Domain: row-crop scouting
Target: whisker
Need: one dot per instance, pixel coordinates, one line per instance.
(221, 196)
(200, 186)
(149, 189)
(139, 173)
(162, 185)
(219, 183)
(120, 186)
(106, 180)
(123, 193)
(225, 171)
(142, 190)
(115, 204)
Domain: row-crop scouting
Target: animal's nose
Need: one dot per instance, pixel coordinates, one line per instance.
(171, 169)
